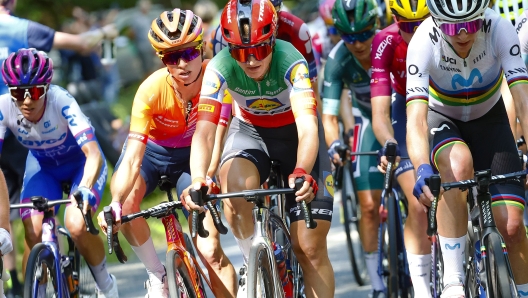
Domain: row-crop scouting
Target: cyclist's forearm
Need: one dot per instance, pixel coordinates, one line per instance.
(308, 142)
(92, 167)
(381, 120)
(202, 149)
(4, 203)
(417, 134)
(125, 178)
(217, 150)
(331, 128)
(347, 116)
(520, 99)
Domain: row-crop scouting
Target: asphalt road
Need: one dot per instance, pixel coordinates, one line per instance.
(132, 275)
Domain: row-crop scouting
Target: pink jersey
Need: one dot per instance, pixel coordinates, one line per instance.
(388, 55)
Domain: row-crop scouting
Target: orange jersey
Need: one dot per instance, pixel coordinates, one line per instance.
(159, 115)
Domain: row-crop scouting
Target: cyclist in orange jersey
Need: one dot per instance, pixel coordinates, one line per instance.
(163, 121)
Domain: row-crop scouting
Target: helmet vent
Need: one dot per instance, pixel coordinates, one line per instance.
(266, 29)
(246, 30)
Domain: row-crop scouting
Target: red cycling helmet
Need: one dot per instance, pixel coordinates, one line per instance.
(259, 16)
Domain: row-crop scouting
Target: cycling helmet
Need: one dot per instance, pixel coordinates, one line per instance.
(276, 2)
(257, 16)
(448, 10)
(217, 41)
(351, 16)
(510, 9)
(409, 9)
(325, 11)
(175, 28)
(27, 67)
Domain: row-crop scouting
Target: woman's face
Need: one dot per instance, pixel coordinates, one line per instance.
(462, 42)
(254, 68)
(185, 71)
(31, 109)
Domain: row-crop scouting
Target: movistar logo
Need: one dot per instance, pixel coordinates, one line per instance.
(475, 73)
(456, 246)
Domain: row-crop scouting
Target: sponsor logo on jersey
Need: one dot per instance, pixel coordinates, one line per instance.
(47, 124)
(85, 137)
(459, 79)
(263, 104)
(51, 130)
(245, 92)
(387, 41)
(38, 143)
(375, 69)
(287, 21)
(211, 84)
(23, 131)
(137, 136)
(328, 184)
(299, 77)
(206, 108)
(274, 92)
(102, 178)
(70, 118)
(448, 59)
(1, 116)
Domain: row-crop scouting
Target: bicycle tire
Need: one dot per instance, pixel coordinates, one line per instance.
(472, 279)
(40, 254)
(393, 283)
(85, 276)
(264, 274)
(351, 216)
(178, 277)
(189, 247)
(500, 280)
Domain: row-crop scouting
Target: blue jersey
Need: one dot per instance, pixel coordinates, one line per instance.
(17, 33)
(58, 136)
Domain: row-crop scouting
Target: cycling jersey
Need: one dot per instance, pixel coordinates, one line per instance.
(291, 29)
(388, 56)
(463, 89)
(342, 67)
(522, 32)
(159, 115)
(284, 93)
(58, 136)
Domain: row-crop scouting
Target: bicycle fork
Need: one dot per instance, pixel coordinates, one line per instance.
(261, 242)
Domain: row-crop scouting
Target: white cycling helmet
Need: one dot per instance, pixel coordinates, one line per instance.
(510, 9)
(448, 10)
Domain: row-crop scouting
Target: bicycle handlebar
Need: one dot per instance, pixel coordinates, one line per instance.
(42, 204)
(200, 198)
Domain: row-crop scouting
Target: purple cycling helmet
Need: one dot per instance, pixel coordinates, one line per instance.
(27, 67)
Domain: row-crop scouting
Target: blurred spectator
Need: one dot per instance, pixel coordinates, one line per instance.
(207, 10)
(140, 26)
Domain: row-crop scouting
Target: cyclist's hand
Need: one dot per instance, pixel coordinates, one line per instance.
(6, 246)
(309, 188)
(116, 210)
(382, 156)
(88, 197)
(421, 191)
(186, 198)
(334, 155)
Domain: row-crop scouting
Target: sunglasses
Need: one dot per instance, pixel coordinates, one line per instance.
(260, 52)
(332, 30)
(361, 37)
(409, 26)
(452, 29)
(187, 54)
(19, 93)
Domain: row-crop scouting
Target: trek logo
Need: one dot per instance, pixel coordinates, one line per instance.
(261, 10)
(229, 12)
(382, 46)
(457, 78)
(314, 211)
(40, 143)
(70, 118)
(456, 246)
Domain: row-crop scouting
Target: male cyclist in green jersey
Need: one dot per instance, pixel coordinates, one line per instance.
(349, 63)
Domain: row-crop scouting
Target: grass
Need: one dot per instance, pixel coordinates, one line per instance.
(122, 110)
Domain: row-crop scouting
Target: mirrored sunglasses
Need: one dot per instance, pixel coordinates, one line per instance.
(187, 54)
(20, 93)
(260, 52)
(452, 29)
(361, 37)
(409, 26)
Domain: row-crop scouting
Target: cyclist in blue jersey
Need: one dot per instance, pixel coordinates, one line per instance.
(47, 120)
(457, 123)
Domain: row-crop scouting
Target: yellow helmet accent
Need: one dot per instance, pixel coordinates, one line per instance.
(409, 9)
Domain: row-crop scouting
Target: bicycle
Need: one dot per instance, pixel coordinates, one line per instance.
(262, 276)
(184, 274)
(488, 270)
(68, 274)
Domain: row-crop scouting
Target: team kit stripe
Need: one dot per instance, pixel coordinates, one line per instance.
(464, 97)
(518, 80)
(441, 146)
(415, 99)
(507, 199)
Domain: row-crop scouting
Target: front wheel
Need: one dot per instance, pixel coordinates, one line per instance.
(40, 273)
(178, 277)
(264, 284)
(500, 278)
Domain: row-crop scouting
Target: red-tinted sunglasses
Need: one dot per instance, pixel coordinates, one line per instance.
(409, 26)
(19, 93)
(260, 51)
(187, 54)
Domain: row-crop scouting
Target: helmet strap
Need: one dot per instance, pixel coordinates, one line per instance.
(198, 76)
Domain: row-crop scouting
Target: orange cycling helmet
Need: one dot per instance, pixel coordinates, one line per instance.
(409, 9)
(175, 28)
(259, 16)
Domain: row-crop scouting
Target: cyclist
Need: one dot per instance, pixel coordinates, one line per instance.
(389, 50)
(274, 111)
(46, 119)
(349, 63)
(325, 37)
(457, 123)
(509, 9)
(5, 238)
(162, 124)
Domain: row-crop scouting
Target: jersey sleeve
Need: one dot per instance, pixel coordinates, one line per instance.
(509, 50)
(78, 123)
(419, 55)
(212, 93)
(40, 37)
(381, 56)
(142, 111)
(332, 84)
(227, 107)
(3, 123)
(302, 97)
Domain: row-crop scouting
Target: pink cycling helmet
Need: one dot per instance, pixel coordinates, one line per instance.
(27, 67)
(325, 11)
